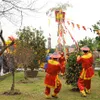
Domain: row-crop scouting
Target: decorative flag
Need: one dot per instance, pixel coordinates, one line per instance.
(73, 24)
(84, 28)
(59, 30)
(64, 41)
(91, 29)
(60, 34)
(68, 22)
(78, 26)
(72, 37)
(59, 40)
(48, 21)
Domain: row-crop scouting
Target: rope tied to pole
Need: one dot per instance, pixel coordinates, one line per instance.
(77, 46)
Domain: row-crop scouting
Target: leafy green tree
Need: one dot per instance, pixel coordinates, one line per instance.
(89, 42)
(52, 50)
(31, 50)
(72, 70)
(96, 28)
(97, 42)
(23, 56)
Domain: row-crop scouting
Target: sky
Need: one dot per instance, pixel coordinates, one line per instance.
(83, 12)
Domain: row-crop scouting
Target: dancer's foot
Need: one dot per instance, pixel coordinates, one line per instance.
(83, 94)
(55, 95)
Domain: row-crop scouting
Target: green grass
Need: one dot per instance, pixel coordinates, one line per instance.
(35, 90)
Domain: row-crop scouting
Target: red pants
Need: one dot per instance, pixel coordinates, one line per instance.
(82, 84)
(56, 90)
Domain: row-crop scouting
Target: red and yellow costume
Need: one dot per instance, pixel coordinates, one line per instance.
(62, 62)
(51, 78)
(84, 81)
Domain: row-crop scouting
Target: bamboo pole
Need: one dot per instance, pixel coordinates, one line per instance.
(61, 28)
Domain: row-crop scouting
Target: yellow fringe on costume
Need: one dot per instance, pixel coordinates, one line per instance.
(83, 75)
(57, 82)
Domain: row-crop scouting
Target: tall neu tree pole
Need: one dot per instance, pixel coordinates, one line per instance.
(60, 18)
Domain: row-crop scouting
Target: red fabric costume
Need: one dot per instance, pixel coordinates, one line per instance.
(84, 81)
(51, 78)
(62, 62)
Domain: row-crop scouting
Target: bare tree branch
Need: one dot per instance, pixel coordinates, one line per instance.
(16, 9)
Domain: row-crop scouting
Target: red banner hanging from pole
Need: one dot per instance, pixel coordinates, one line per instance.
(59, 16)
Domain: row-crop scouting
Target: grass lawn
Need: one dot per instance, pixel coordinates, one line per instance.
(35, 90)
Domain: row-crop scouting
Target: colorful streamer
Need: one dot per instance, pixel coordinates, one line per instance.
(77, 25)
(72, 37)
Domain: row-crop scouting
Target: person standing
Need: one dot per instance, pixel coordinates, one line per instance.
(84, 81)
(62, 61)
(46, 62)
(51, 78)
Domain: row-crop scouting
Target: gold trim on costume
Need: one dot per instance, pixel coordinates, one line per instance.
(83, 75)
(87, 56)
(57, 82)
(53, 62)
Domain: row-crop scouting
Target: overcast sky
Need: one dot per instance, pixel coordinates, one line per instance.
(83, 12)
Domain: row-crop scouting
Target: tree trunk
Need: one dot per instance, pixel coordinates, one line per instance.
(13, 80)
(25, 73)
(12, 65)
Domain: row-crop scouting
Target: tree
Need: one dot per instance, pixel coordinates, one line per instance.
(96, 28)
(31, 49)
(11, 60)
(89, 42)
(23, 56)
(14, 10)
(52, 50)
(73, 70)
(97, 42)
